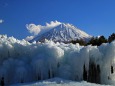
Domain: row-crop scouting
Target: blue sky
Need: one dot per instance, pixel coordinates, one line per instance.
(96, 17)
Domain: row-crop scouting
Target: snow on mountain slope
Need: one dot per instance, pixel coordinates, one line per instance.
(62, 32)
(59, 82)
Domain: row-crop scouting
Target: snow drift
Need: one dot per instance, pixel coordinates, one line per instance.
(58, 82)
(21, 61)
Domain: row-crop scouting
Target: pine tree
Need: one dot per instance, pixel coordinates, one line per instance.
(111, 38)
(80, 41)
(101, 40)
(97, 41)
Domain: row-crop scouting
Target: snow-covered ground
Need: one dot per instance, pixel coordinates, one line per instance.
(59, 82)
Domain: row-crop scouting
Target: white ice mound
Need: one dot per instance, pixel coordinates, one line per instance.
(21, 61)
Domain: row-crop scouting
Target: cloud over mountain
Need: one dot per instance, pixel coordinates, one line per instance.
(39, 29)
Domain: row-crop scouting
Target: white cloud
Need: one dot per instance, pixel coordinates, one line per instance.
(39, 29)
(1, 21)
(28, 38)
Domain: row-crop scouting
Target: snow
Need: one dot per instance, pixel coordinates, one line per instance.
(59, 82)
(21, 61)
(62, 33)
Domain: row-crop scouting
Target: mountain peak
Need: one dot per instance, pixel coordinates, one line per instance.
(62, 33)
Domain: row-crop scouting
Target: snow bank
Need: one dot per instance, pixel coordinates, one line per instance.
(59, 82)
(21, 61)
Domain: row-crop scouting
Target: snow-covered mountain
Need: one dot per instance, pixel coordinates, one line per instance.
(62, 32)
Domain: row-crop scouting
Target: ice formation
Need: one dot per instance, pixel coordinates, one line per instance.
(58, 82)
(21, 61)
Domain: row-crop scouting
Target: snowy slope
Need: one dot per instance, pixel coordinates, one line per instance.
(63, 32)
(59, 82)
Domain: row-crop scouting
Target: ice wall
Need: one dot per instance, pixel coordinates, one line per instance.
(21, 61)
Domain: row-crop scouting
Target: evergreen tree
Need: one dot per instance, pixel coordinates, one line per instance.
(101, 40)
(97, 41)
(80, 41)
(111, 38)
(93, 41)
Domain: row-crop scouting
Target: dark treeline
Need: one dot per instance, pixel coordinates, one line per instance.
(95, 41)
